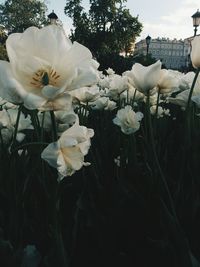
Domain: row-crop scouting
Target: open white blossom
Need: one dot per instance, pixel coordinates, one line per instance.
(144, 79)
(44, 65)
(67, 154)
(128, 120)
(181, 99)
(85, 94)
(167, 82)
(117, 85)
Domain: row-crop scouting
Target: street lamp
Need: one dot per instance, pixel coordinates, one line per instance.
(148, 40)
(196, 21)
(53, 17)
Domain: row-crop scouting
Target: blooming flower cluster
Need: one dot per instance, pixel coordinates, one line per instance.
(8, 118)
(116, 137)
(59, 79)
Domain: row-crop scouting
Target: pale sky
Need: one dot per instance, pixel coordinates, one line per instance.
(170, 18)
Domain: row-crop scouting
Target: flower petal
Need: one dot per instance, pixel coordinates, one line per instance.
(50, 154)
(10, 88)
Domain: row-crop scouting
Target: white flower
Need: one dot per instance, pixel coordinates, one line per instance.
(185, 80)
(128, 120)
(196, 100)
(110, 71)
(118, 84)
(64, 120)
(85, 94)
(160, 111)
(167, 82)
(44, 65)
(104, 82)
(195, 53)
(8, 123)
(103, 103)
(67, 154)
(144, 79)
(180, 99)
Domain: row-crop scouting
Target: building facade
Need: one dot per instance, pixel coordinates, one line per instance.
(173, 53)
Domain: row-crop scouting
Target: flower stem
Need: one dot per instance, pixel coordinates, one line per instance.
(157, 103)
(42, 127)
(191, 90)
(16, 127)
(152, 143)
(54, 128)
(60, 247)
(34, 119)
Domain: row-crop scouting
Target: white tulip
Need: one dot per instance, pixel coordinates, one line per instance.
(167, 82)
(44, 65)
(144, 79)
(67, 154)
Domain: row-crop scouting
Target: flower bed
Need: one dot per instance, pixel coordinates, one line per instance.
(97, 169)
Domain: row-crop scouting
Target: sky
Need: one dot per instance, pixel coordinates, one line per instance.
(170, 18)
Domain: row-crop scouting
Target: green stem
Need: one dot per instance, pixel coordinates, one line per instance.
(42, 126)
(29, 144)
(60, 248)
(133, 100)
(191, 90)
(34, 119)
(1, 139)
(16, 127)
(54, 127)
(127, 96)
(152, 143)
(157, 103)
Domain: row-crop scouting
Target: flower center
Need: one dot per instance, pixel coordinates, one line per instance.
(42, 78)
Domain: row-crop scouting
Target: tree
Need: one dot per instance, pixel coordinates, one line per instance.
(17, 15)
(107, 28)
(3, 37)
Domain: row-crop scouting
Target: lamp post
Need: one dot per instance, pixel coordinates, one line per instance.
(196, 21)
(148, 40)
(53, 17)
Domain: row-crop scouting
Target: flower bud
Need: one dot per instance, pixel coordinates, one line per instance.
(195, 53)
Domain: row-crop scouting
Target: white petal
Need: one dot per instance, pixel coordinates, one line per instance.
(76, 55)
(195, 53)
(52, 43)
(84, 78)
(50, 154)
(146, 78)
(61, 102)
(20, 137)
(19, 44)
(50, 91)
(73, 158)
(10, 88)
(32, 101)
